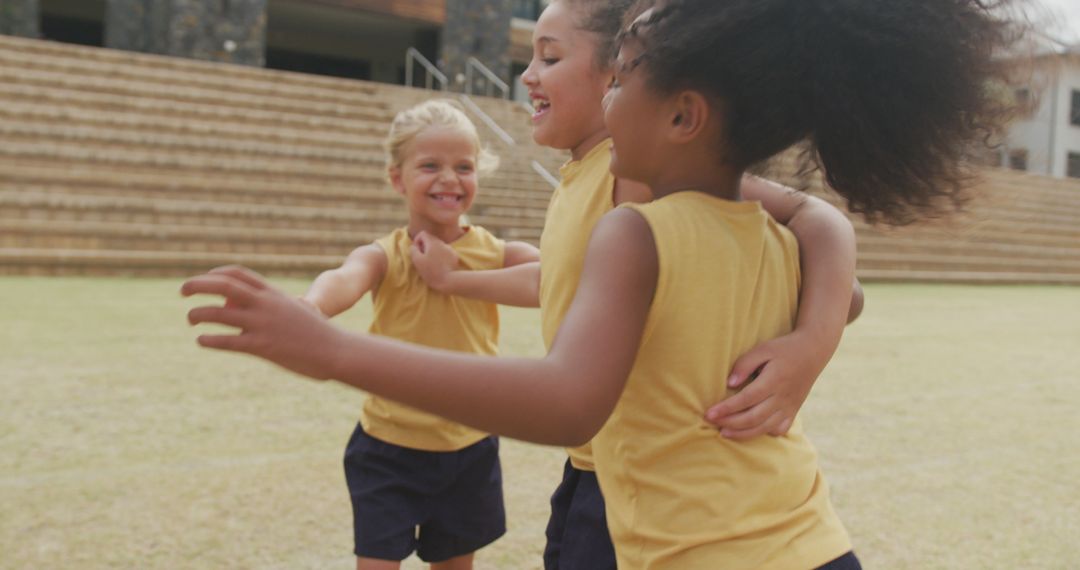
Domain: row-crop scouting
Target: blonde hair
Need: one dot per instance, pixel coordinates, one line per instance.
(443, 113)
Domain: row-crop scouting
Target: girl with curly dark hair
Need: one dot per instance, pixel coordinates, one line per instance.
(573, 49)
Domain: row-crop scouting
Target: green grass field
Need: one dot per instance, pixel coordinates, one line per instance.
(947, 423)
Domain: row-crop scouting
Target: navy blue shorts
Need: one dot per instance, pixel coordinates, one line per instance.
(577, 532)
(846, 562)
(440, 504)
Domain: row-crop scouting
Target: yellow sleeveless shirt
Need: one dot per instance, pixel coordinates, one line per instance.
(407, 309)
(585, 193)
(679, 495)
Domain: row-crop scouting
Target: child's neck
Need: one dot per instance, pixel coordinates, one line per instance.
(448, 233)
(716, 180)
(581, 149)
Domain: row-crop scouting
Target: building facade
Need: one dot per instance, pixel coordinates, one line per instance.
(1045, 139)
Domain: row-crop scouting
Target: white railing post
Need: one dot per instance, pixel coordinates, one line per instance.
(487, 120)
(492, 79)
(413, 54)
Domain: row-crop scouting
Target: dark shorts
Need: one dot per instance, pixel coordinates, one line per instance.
(845, 562)
(577, 533)
(440, 504)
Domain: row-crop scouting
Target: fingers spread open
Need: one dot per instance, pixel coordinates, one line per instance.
(242, 274)
(231, 342)
(235, 291)
(220, 315)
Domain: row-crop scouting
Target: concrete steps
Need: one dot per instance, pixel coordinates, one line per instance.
(152, 183)
(907, 275)
(115, 163)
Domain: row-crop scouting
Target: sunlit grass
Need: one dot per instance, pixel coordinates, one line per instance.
(946, 423)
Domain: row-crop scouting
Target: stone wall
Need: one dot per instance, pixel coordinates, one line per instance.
(478, 28)
(232, 31)
(20, 18)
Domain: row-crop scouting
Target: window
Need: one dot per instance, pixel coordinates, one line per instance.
(305, 62)
(1073, 168)
(1075, 115)
(73, 22)
(1018, 159)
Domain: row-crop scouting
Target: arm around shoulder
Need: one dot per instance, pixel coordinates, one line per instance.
(786, 368)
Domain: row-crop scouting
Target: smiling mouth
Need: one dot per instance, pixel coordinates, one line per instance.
(447, 198)
(539, 106)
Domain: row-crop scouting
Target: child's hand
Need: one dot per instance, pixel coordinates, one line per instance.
(786, 368)
(273, 325)
(433, 259)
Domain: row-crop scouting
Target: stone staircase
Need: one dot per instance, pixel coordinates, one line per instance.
(115, 163)
(120, 163)
(1021, 228)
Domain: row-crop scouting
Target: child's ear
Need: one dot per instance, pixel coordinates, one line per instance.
(395, 180)
(688, 116)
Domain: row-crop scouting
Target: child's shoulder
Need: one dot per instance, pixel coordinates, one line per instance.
(369, 253)
(478, 239)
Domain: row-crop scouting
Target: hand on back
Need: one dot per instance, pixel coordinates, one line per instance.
(776, 377)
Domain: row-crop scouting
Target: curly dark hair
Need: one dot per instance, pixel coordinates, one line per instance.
(603, 18)
(889, 96)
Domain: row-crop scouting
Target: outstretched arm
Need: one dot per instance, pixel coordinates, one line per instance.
(562, 399)
(788, 366)
(336, 290)
(517, 283)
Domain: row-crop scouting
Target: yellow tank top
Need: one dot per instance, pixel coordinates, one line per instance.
(407, 309)
(585, 193)
(680, 496)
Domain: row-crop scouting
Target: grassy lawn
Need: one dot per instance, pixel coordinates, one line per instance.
(947, 425)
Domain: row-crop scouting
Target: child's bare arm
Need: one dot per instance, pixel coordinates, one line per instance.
(562, 399)
(517, 283)
(788, 366)
(338, 289)
(519, 252)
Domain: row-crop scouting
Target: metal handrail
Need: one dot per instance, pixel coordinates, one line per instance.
(491, 123)
(412, 54)
(543, 172)
(492, 79)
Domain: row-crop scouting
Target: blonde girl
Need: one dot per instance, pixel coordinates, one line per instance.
(418, 482)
